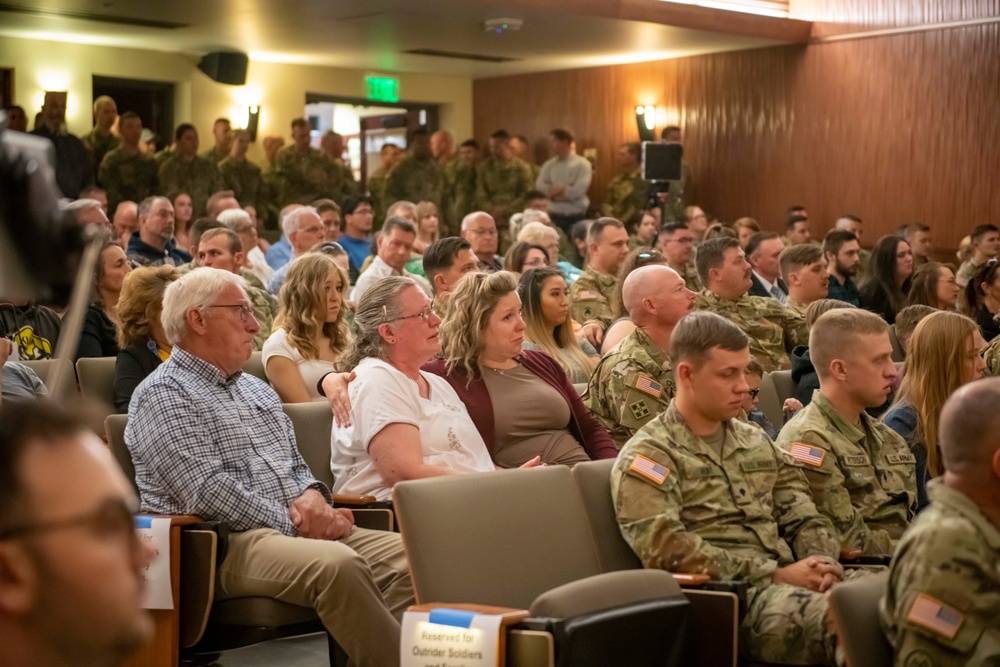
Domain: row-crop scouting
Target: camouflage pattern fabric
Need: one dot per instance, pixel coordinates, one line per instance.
(991, 355)
(199, 178)
(244, 178)
(674, 203)
(460, 183)
(100, 146)
(773, 330)
(416, 181)
(501, 186)
(302, 177)
(796, 307)
(342, 181)
(863, 477)
(376, 190)
(590, 297)
(164, 155)
(215, 155)
(625, 196)
(691, 278)
(265, 308)
(128, 177)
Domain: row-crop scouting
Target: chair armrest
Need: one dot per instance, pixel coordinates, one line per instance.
(692, 580)
(341, 499)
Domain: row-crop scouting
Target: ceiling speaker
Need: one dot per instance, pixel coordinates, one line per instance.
(225, 67)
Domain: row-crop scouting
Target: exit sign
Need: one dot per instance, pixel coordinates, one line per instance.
(382, 89)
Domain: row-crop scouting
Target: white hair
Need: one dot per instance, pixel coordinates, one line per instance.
(469, 219)
(537, 233)
(235, 219)
(82, 205)
(196, 289)
(844, 223)
(293, 219)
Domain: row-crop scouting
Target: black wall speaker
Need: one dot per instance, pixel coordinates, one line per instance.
(225, 67)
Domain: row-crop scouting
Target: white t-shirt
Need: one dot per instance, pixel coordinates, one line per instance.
(311, 370)
(381, 395)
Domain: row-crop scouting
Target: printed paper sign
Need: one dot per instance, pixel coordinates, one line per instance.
(155, 533)
(449, 638)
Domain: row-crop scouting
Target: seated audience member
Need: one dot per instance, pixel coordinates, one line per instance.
(697, 222)
(71, 592)
(919, 237)
(395, 245)
(198, 228)
(17, 381)
(33, 328)
(763, 251)
(428, 226)
(548, 326)
(523, 256)
(356, 236)
(304, 229)
(676, 241)
(804, 271)
(745, 228)
(223, 249)
(718, 230)
(754, 415)
(607, 246)
(621, 323)
(676, 496)
(99, 337)
(578, 239)
(985, 244)
(934, 285)
(87, 212)
(329, 213)
(280, 252)
(772, 329)
(553, 239)
(644, 231)
(310, 329)
(803, 372)
(446, 261)
(797, 229)
(240, 222)
(223, 200)
(406, 423)
(480, 230)
(889, 276)
(125, 223)
(860, 471)
(183, 217)
(339, 255)
(210, 440)
(843, 260)
(982, 299)
(940, 605)
(154, 243)
(521, 402)
(943, 355)
(634, 382)
(964, 252)
(143, 344)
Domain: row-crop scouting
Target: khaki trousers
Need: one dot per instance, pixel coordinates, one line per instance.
(359, 586)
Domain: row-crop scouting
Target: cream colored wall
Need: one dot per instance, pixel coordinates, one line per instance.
(279, 89)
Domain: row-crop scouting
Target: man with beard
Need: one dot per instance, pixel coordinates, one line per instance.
(841, 249)
(154, 243)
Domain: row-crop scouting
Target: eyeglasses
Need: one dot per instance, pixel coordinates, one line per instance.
(424, 314)
(246, 312)
(754, 392)
(113, 517)
(654, 254)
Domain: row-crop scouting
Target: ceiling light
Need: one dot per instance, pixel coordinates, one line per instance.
(776, 8)
(502, 25)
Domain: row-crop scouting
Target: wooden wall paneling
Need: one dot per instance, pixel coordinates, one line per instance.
(839, 16)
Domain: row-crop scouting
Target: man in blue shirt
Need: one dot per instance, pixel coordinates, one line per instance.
(356, 238)
(154, 243)
(208, 439)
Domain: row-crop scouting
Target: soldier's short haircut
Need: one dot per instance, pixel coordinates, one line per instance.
(970, 427)
(907, 320)
(470, 143)
(982, 230)
(794, 258)
(596, 230)
(816, 309)
(794, 220)
(221, 119)
(441, 255)
(562, 134)
(352, 202)
(911, 229)
(199, 227)
(753, 243)
(181, 129)
(701, 331)
(324, 205)
(671, 228)
(300, 122)
(712, 255)
(128, 115)
(835, 240)
(398, 222)
(501, 135)
(146, 205)
(101, 101)
(835, 335)
(235, 244)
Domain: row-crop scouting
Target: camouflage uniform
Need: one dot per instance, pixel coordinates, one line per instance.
(865, 260)
(862, 478)
(244, 178)
(691, 278)
(301, 177)
(215, 155)
(265, 308)
(946, 574)
(632, 384)
(626, 195)
(796, 307)
(199, 178)
(772, 329)
(416, 181)
(343, 179)
(741, 515)
(376, 190)
(164, 155)
(100, 146)
(590, 297)
(460, 179)
(128, 177)
(502, 185)
(673, 204)
(991, 355)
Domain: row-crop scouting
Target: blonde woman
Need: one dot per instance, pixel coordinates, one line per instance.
(942, 355)
(428, 226)
(310, 330)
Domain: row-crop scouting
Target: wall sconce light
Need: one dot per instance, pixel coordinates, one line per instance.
(645, 121)
(253, 118)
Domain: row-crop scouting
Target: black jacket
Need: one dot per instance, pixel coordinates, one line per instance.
(133, 365)
(33, 328)
(758, 289)
(803, 375)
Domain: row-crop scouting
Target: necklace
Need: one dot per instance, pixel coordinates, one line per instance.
(501, 371)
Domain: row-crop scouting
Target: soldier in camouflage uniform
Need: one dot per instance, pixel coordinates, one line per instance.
(302, 173)
(341, 178)
(390, 155)
(861, 472)
(627, 193)
(460, 177)
(188, 172)
(126, 173)
(221, 131)
(634, 382)
(590, 294)
(242, 176)
(803, 269)
(697, 491)
(522, 151)
(100, 141)
(942, 604)
(502, 181)
(419, 177)
(676, 242)
(773, 330)
(991, 355)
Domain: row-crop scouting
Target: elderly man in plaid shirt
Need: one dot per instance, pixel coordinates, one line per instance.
(207, 439)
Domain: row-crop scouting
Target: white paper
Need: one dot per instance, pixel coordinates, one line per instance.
(155, 533)
(426, 644)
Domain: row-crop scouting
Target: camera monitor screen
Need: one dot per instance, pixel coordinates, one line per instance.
(661, 162)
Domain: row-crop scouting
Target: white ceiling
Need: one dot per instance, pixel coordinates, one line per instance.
(370, 33)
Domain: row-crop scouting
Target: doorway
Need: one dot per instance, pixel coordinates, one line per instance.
(152, 100)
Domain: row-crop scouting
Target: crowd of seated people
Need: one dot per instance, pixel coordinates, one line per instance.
(439, 355)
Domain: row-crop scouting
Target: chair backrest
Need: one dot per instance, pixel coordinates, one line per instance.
(313, 423)
(784, 385)
(769, 403)
(255, 366)
(97, 380)
(594, 481)
(497, 538)
(41, 368)
(855, 611)
(114, 426)
(898, 353)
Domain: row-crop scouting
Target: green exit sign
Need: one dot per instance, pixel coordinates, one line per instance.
(382, 89)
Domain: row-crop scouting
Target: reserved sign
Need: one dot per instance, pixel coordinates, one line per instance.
(447, 637)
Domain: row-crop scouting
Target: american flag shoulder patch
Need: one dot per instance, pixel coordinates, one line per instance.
(807, 453)
(649, 469)
(645, 383)
(588, 295)
(936, 616)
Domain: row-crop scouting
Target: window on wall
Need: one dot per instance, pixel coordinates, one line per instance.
(764, 7)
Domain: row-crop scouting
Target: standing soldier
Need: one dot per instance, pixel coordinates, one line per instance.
(418, 177)
(188, 172)
(673, 204)
(460, 175)
(522, 151)
(221, 130)
(240, 175)
(502, 181)
(390, 155)
(100, 140)
(271, 188)
(341, 178)
(126, 173)
(627, 192)
(302, 172)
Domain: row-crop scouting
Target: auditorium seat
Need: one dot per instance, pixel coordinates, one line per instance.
(898, 353)
(255, 366)
(769, 401)
(854, 607)
(97, 379)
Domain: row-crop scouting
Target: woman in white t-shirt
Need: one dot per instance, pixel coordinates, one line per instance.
(405, 423)
(310, 329)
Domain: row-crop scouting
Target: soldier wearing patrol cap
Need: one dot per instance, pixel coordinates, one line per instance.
(607, 243)
(698, 491)
(634, 382)
(942, 606)
(861, 472)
